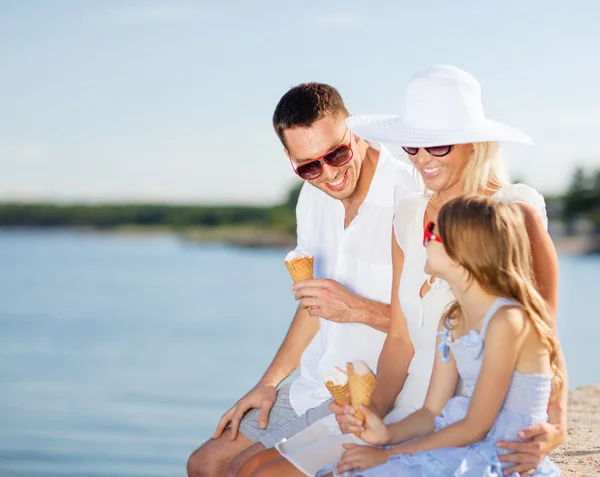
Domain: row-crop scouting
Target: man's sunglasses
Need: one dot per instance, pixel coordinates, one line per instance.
(337, 157)
(436, 151)
(428, 234)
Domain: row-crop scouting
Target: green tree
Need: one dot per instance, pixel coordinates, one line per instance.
(577, 198)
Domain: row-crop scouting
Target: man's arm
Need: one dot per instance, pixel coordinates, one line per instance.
(302, 330)
(329, 299)
(371, 313)
(398, 350)
(304, 326)
(263, 395)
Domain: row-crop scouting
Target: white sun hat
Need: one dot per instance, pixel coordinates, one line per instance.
(442, 106)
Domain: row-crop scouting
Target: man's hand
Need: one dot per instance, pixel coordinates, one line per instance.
(260, 396)
(340, 416)
(327, 299)
(539, 441)
(361, 458)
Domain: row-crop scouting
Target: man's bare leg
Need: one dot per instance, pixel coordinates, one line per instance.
(277, 468)
(253, 462)
(214, 456)
(242, 459)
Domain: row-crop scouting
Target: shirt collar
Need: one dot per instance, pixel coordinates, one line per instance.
(382, 189)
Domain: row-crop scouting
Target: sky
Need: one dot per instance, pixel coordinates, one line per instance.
(171, 101)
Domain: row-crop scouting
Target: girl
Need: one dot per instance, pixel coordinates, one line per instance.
(497, 337)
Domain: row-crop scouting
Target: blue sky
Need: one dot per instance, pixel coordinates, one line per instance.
(172, 101)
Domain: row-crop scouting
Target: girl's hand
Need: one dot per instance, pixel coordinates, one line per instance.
(361, 457)
(373, 430)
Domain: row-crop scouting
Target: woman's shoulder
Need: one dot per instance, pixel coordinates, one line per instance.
(520, 193)
(523, 193)
(408, 213)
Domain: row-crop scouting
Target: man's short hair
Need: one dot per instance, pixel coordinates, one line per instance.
(306, 103)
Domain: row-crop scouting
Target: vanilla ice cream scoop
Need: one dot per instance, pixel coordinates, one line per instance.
(295, 254)
(338, 377)
(361, 368)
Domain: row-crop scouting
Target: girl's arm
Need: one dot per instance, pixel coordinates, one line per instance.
(397, 352)
(442, 387)
(503, 342)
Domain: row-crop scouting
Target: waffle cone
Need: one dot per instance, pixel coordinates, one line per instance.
(301, 269)
(339, 393)
(361, 390)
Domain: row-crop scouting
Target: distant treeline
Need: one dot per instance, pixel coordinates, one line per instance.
(280, 217)
(581, 201)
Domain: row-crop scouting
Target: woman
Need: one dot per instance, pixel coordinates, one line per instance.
(455, 149)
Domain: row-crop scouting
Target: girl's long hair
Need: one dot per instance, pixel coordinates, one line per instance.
(489, 239)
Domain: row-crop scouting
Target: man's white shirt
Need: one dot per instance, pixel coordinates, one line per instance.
(360, 258)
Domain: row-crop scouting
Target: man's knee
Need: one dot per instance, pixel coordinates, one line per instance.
(203, 462)
(214, 456)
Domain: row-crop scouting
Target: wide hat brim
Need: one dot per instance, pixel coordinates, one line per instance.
(393, 129)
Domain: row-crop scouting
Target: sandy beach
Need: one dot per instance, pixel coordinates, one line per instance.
(579, 456)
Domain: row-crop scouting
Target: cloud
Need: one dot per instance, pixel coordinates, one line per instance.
(338, 20)
(146, 14)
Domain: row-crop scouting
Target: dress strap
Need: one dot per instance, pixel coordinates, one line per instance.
(444, 346)
(498, 303)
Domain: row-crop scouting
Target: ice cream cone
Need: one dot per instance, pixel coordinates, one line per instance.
(361, 388)
(300, 268)
(337, 384)
(339, 393)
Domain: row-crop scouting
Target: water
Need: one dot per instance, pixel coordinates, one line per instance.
(119, 354)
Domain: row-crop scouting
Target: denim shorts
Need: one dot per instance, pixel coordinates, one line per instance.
(283, 420)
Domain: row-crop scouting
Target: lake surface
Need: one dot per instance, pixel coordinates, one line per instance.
(118, 354)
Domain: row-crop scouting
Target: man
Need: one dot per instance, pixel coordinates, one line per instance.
(344, 216)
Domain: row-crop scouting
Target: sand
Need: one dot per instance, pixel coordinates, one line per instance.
(579, 456)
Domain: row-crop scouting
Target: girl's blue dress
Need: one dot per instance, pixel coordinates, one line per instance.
(525, 404)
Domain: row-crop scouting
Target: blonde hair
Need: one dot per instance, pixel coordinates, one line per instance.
(484, 170)
(489, 239)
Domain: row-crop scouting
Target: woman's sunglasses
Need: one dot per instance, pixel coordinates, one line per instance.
(428, 234)
(337, 157)
(435, 151)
